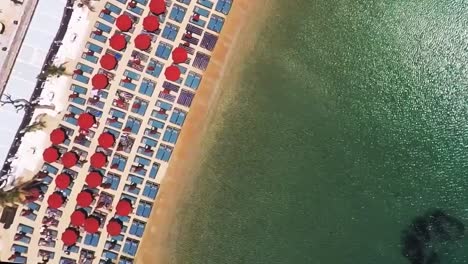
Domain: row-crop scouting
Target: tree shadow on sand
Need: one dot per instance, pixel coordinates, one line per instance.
(424, 238)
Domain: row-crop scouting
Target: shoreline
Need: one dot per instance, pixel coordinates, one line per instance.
(235, 43)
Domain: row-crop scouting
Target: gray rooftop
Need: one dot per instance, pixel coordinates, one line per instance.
(42, 30)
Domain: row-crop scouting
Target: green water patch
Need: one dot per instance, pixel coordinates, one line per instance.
(349, 122)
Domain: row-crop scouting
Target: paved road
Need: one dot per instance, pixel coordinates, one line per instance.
(14, 40)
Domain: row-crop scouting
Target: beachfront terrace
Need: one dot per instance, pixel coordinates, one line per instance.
(130, 93)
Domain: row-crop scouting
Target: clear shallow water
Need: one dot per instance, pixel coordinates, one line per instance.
(350, 122)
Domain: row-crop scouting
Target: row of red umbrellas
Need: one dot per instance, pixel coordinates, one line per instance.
(91, 224)
(179, 55)
(125, 23)
(70, 158)
(93, 180)
(52, 154)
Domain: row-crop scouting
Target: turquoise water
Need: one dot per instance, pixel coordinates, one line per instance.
(349, 122)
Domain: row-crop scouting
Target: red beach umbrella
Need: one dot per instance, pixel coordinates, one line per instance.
(124, 22)
(124, 207)
(179, 55)
(93, 179)
(62, 181)
(108, 62)
(106, 140)
(86, 120)
(157, 7)
(91, 225)
(58, 136)
(172, 73)
(143, 42)
(69, 159)
(50, 154)
(55, 200)
(69, 236)
(78, 217)
(98, 160)
(151, 23)
(118, 42)
(100, 81)
(114, 227)
(84, 198)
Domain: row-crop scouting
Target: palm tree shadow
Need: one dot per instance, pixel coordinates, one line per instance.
(427, 234)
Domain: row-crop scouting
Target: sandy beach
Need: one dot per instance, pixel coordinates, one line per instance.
(236, 41)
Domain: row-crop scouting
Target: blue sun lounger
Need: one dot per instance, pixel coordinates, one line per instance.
(94, 112)
(78, 89)
(164, 105)
(93, 47)
(147, 87)
(116, 113)
(187, 2)
(84, 68)
(200, 22)
(178, 117)
(106, 254)
(158, 115)
(178, 13)
(18, 248)
(158, 66)
(201, 11)
(121, 161)
(90, 58)
(164, 153)
(164, 50)
(113, 180)
(25, 239)
(224, 6)
(107, 17)
(78, 100)
(134, 124)
(24, 228)
(171, 135)
(205, 3)
(117, 124)
(216, 23)
(103, 27)
(149, 142)
(81, 78)
(154, 170)
(156, 124)
(141, 160)
(142, 109)
(113, 8)
(99, 38)
(193, 80)
(128, 85)
(137, 10)
(170, 31)
(132, 75)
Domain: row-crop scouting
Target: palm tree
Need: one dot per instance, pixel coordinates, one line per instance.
(10, 197)
(18, 193)
(88, 4)
(54, 70)
(37, 125)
